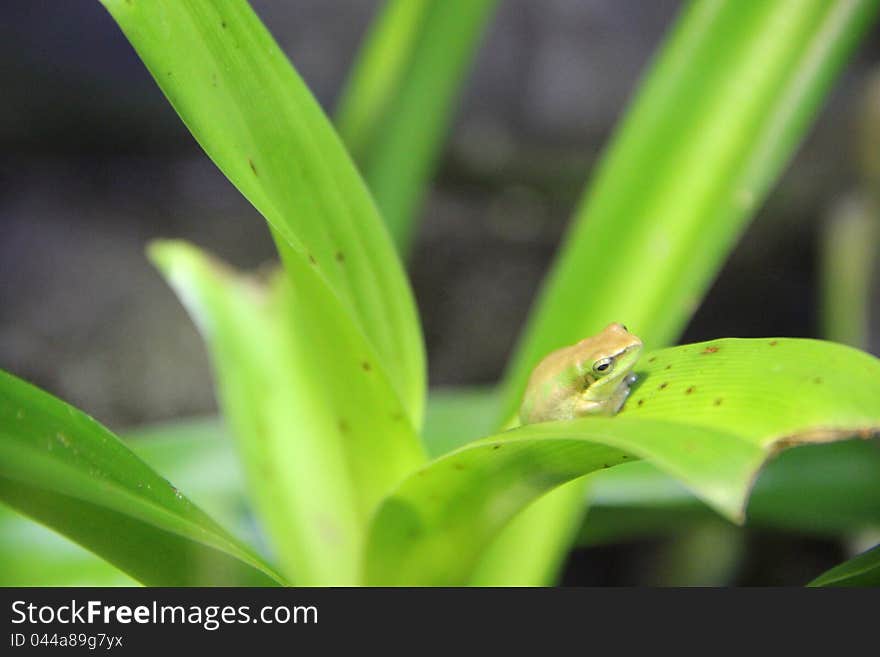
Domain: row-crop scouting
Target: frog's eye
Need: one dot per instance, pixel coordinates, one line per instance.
(603, 366)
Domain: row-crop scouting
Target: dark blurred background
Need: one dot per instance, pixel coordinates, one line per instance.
(95, 163)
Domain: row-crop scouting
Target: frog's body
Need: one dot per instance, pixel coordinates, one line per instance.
(591, 377)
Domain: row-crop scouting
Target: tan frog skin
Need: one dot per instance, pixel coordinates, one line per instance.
(591, 377)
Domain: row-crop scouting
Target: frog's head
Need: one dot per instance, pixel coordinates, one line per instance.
(605, 361)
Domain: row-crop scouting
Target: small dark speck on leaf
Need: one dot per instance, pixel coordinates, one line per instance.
(689, 390)
(396, 417)
(668, 367)
(253, 166)
(773, 343)
(223, 24)
(718, 402)
(641, 401)
(340, 256)
(312, 259)
(663, 385)
(459, 466)
(652, 359)
(709, 350)
(496, 446)
(818, 379)
(343, 426)
(367, 367)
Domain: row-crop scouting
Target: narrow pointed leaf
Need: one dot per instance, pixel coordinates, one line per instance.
(863, 570)
(195, 453)
(65, 470)
(400, 98)
(321, 433)
(248, 108)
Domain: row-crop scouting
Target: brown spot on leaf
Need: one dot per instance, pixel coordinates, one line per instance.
(641, 401)
(397, 416)
(459, 466)
(819, 435)
(710, 350)
(718, 401)
(818, 379)
(652, 359)
(312, 259)
(340, 256)
(366, 366)
(773, 343)
(253, 166)
(689, 390)
(496, 446)
(663, 385)
(668, 367)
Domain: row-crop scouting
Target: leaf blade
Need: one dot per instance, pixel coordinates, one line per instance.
(399, 99)
(319, 429)
(274, 143)
(686, 170)
(64, 469)
(862, 570)
(436, 525)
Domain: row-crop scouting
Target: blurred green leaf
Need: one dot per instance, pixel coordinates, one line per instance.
(194, 453)
(709, 414)
(718, 115)
(863, 570)
(257, 120)
(34, 555)
(63, 469)
(456, 416)
(849, 249)
(320, 432)
(818, 490)
(399, 100)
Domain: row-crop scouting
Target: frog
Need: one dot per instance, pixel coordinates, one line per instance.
(591, 377)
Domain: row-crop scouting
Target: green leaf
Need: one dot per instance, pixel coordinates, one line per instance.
(194, 453)
(818, 490)
(720, 112)
(398, 102)
(199, 455)
(849, 245)
(709, 414)
(63, 469)
(34, 555)
(320, 431)
(456, 416)
(863, 570)
(256, 119)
